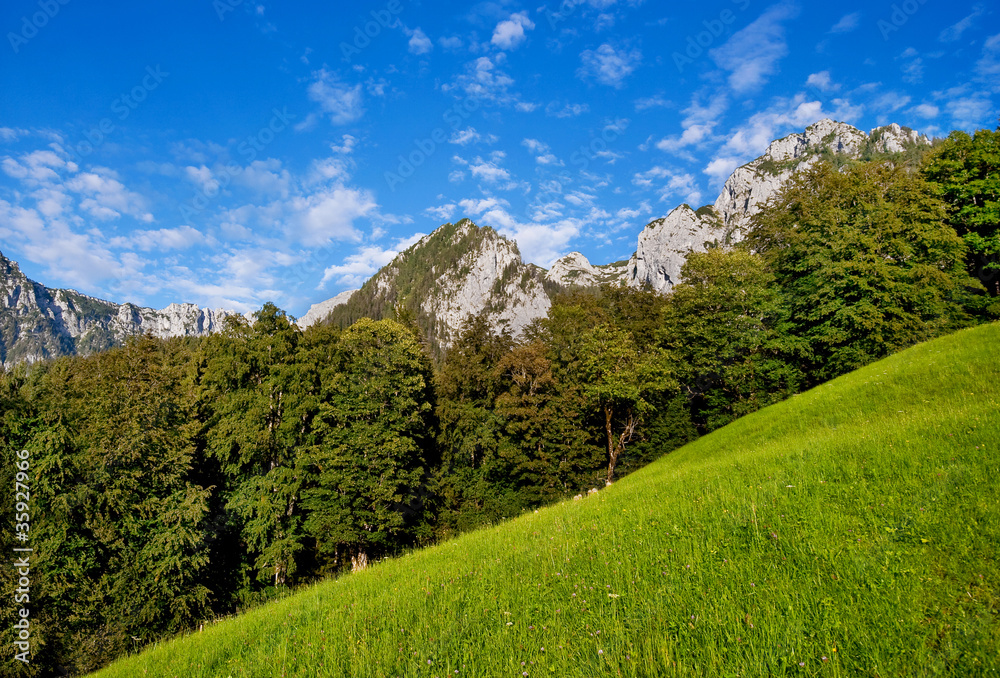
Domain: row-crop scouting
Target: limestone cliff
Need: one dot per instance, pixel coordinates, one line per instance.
(458, 270)
(37, 323)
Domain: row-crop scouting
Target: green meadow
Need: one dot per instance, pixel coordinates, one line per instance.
(853, 530)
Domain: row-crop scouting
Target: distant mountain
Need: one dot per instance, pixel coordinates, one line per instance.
(37, 323)
(458, 270)
(463, 269)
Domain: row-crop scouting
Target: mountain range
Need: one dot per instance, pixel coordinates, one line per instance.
(458, 270)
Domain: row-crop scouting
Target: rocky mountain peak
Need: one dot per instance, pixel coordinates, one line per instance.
(458, 270)
(896, 139)
(37, 323)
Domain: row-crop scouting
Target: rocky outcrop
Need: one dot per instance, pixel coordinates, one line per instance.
(491, 277)
(576, 270)
(462, 269)
(37, 323)
(457, 271)
(665, 243)
(751, 185)
(321, 310)
(895, 139)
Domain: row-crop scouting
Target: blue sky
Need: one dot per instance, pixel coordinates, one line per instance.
(229, 153)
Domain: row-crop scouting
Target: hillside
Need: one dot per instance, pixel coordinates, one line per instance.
(851, 530)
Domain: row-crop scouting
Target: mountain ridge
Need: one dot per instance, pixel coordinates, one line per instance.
(38, 323)
(662, 245)
(459, 269)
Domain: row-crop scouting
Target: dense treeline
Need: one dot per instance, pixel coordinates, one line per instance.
(176, 480)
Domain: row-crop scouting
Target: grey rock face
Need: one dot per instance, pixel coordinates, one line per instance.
(665, 243)
(319, 311)
(576, 270)
(751, 185)
(37, 323)
(492, 276)
(895, 139)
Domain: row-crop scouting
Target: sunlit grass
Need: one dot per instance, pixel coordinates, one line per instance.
(853, 530)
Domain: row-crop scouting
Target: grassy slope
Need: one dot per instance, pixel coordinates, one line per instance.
(853, 530)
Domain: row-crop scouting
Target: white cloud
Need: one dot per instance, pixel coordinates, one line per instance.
(442, 212)
(752, 54)
(626, 213)
(988, 67)
(451, 43)
(543, 154)
(647, 103)
(37, 167)
(490, 171)
(670, 184)
(338, 100)
(913, 67)
(698, 123)
(202, 178)
(9, 134)
(567, 111)
(510, 34)
(847, 23)
(180, 238)
(928, 111)
(363, 264)
(692, 135)
(540, 244)
(720, 168)
(266, 178)
(419, 42)
(890, 102)
(469, 135)
(954, 32)
(329, 215)
(484, 80)
(609, 66)
(75, 259)
(822, 82)
(479, 206)
(969, 111)
(107, 198)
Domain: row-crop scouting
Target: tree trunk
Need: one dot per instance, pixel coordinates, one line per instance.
(615, 449)
(612, 457)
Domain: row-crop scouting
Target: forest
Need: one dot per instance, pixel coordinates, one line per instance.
(173, 481)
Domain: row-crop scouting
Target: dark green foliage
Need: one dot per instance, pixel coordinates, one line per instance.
(367, 466)
(726, 330)
(472, 483)
(965, 173)
(865, 261)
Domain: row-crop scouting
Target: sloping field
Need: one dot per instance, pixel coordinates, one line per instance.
(852, 530)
